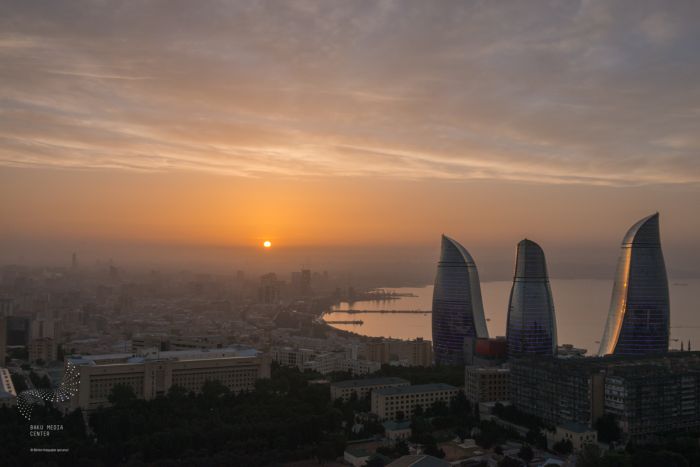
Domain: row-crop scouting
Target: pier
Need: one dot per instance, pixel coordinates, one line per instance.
(353, 311)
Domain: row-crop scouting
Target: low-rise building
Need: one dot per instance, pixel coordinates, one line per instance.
(418, 460)
(8, 395)
(417, 352)
(396, 431)
(388, 403)
(292, 356)
(356, 456)
(237, 368)
(491, 384)
(329, 362)
(579, 435)
(485, 351)
(363, 387)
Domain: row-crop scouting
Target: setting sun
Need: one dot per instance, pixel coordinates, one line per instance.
(267, 243)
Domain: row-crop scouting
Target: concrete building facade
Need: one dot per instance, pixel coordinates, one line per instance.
(388, 403)
(151, 375)
(363, 387)
(491, 384)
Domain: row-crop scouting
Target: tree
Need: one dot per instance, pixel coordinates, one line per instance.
(418, 411)
(121, 394)
(563, 447)
(589, 456)
(376, 461)
(213, 389)
(645, 458)
(526, 453)
(401, 448)
(430, 446)
(608, 429)
(509, 462)
(439, 409)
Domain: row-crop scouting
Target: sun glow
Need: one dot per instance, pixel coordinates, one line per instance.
(267, 244)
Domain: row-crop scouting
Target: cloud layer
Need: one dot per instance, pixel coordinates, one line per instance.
(591, 92)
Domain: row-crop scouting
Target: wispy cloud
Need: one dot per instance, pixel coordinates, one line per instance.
(589, 92)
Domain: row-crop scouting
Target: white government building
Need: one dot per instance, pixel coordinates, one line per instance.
(153, 373)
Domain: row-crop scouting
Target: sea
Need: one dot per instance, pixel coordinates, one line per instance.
(581, 308)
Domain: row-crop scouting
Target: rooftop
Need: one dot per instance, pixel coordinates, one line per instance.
(416, 389)
(419, 460)
(193, 354)
(391, 425)
(357, 383)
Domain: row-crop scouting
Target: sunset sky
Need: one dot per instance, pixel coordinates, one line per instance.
(341, 129)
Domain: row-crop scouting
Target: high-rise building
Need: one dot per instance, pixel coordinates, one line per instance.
(3, 340)
(532, 327)
(305, 282)
(649, 395)
(269, 291)
(458, 312)
(639, 316)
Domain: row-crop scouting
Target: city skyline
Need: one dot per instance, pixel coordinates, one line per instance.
(220, 225)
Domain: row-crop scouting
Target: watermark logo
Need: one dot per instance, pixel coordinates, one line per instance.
(68, 388)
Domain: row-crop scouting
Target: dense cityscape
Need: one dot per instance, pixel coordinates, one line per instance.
(91, 348)
(377, 233)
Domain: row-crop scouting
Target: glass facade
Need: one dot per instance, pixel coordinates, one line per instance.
(458, 311)
(532, 327)
(639, 317)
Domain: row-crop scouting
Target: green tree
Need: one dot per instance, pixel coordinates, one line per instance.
(563, 447)
(509, 462)
(608, 429)
(589, 456)
(121, 395)
(526, 453)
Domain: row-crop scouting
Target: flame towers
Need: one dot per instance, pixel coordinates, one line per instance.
(531, 327)
(639, 317)
(458, 312)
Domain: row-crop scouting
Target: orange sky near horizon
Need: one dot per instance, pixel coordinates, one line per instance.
(349, 125)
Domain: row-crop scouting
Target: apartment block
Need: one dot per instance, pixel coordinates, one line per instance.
(387, 403)
(490, 384)
(363, 387)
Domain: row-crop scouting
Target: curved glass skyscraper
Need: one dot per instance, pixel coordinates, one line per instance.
(639, 316)
(458, 311)
(532, 327)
